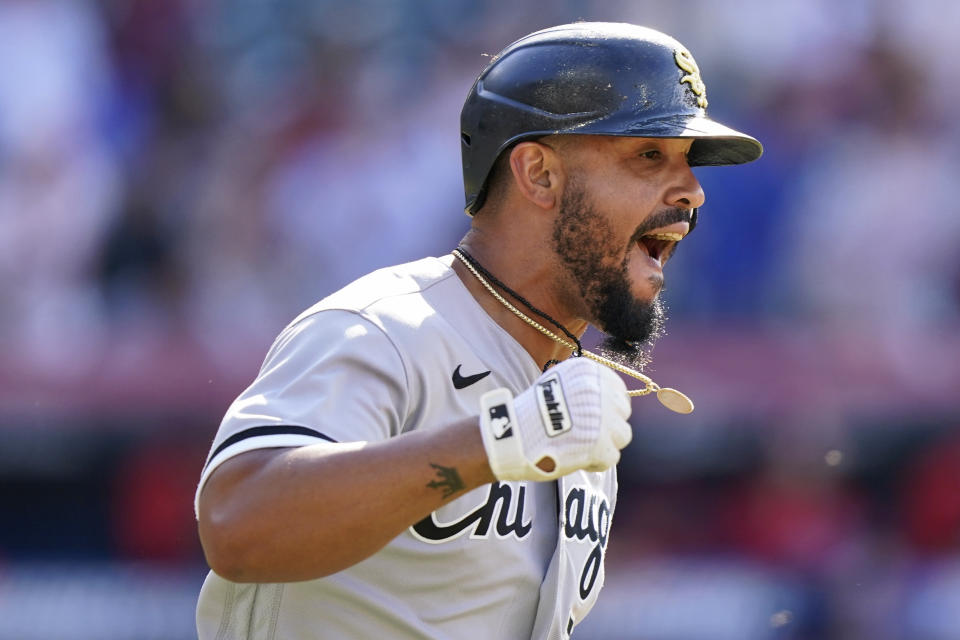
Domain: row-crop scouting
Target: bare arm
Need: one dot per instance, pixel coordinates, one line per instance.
(280, 515)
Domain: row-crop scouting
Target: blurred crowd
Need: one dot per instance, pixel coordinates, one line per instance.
(204, 169)
(179, 178)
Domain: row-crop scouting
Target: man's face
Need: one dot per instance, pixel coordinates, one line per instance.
(626, 204)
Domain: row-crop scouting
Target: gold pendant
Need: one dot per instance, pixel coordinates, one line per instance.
(674, 400)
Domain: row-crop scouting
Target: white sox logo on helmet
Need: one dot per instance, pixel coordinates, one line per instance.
(686, 63)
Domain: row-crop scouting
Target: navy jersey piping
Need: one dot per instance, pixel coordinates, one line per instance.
(272, 430)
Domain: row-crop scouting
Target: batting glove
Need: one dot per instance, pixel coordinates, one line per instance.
(573, 417)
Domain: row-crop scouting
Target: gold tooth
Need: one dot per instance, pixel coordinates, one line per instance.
(672, 237)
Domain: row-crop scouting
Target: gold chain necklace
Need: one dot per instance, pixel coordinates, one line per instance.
(670, 398)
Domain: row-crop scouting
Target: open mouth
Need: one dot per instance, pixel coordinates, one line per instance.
(660, 245)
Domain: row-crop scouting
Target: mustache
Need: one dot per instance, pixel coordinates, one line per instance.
(662, 219)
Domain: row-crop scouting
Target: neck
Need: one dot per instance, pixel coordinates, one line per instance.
(526, 293)
(543, 344)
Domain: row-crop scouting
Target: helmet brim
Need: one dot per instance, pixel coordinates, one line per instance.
(714, 144)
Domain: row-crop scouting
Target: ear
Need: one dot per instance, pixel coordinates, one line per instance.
(537, 173)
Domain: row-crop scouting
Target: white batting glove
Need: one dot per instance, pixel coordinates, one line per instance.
(573, 417)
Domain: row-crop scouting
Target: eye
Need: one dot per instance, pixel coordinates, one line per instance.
(652, 154)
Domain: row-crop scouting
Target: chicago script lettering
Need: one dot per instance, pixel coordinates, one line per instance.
(590, 571)
(509, 522)
(596, 513)
(587, 518)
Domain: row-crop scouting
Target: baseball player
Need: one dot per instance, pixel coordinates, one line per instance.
(429, 452)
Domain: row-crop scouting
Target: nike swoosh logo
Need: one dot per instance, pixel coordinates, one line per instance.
(462, 382)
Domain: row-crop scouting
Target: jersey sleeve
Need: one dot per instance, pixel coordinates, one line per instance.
(333, 376)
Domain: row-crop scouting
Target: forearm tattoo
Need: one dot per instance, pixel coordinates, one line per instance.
(448, 480)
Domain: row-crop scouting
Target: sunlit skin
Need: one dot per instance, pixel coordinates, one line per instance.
(627, 181)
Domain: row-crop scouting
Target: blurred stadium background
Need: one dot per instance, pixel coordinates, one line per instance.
(179, 178)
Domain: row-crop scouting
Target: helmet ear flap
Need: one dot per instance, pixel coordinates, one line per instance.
(478, 202)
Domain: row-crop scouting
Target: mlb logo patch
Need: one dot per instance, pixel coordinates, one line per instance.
(553, 406)
(500, 422)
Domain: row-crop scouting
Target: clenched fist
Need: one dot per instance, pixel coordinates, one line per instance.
(573, 417)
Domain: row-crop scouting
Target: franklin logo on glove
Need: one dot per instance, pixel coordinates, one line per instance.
(553, 406)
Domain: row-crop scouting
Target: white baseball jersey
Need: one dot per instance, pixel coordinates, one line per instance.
(400, 349)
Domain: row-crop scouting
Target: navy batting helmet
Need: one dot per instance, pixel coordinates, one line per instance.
(591, 78)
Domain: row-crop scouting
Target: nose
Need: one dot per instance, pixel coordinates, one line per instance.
(686, 193)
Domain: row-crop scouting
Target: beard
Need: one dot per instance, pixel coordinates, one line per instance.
(586, 245)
